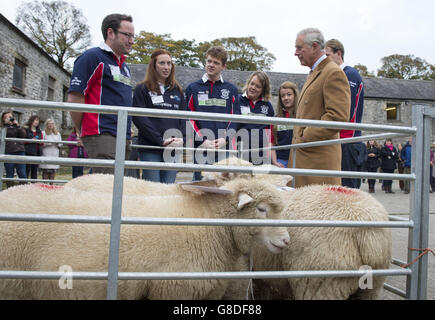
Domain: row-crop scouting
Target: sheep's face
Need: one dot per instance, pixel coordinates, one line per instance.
(274, 238)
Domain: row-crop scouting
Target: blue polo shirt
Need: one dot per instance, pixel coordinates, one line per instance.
(216, 97)
(104, 80)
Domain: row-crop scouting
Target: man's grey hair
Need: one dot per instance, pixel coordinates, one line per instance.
(312, 35)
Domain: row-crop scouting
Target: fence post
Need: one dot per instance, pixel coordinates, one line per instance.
(424, 223)
(2, 151)
(419, 166)
(115, 226)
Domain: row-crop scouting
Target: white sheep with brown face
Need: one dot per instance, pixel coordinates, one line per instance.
(84, 247)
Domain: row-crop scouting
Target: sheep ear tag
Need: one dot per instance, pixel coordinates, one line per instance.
(244, 199)
(203, 189)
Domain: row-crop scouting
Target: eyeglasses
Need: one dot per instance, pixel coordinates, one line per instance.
(128, 35)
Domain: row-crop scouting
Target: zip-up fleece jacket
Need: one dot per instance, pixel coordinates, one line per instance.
(261, 108)
(151, 129)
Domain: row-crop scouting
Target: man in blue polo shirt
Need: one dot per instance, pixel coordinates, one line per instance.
(354, 154)
(101, 76)
(212, 94)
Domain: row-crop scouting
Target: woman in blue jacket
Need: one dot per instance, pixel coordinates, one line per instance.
(160, 91)
(255, 101)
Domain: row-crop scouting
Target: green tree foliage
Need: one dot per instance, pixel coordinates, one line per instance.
(57, 27)
(363, 70)
(182, 51)
(406, 67)
(244, 54)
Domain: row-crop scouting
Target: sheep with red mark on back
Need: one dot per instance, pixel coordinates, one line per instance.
(327, 248)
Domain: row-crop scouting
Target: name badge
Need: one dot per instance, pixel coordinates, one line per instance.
(157, 99)
(284, 127)
(202, 96)
(245, 110)
(114, 70)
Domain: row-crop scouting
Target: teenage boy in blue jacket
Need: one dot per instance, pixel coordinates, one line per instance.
(212, 94)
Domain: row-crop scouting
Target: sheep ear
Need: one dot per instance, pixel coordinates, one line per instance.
(244, 199)
(205, 183)
(202, 189)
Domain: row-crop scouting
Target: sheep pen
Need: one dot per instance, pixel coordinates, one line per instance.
(37, 246)
(306, 251)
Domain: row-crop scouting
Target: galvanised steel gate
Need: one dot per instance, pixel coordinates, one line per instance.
(416, 273)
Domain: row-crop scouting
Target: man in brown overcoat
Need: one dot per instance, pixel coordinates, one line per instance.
(325, 96)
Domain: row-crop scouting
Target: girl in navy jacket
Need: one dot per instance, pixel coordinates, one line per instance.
(160, 90)
(255, 101)
(282, 135)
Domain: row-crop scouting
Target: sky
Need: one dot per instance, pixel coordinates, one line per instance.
(369, 29)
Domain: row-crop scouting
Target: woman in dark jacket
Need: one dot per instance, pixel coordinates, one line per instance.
(372, 162)
(160, 91)
(33, 149)
(14, 130)
(255, 100)
(389, 156)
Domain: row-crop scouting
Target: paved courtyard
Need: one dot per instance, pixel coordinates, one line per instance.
(398, 203)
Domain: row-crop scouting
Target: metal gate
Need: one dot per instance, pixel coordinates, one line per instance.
(418, 222)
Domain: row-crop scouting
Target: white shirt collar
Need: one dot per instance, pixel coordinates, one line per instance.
(323, 57)
(105, 47)
(205, 78)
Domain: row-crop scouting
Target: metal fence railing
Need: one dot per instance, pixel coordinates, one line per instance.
(416, 273)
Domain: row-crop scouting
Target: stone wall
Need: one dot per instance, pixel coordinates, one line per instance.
(39, 67)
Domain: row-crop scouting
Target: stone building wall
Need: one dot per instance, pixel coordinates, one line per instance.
(39, 66)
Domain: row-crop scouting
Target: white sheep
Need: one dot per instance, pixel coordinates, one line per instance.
(104, 182)
(327, 248)
(84, 247)
(132, 186)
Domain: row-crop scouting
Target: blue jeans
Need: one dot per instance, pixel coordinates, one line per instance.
(19, 167)
(283, 162)
(163, 176)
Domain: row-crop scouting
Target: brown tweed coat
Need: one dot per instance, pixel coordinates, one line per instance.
(325, 96)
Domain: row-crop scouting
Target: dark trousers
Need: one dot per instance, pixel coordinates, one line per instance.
(372, 182)
(77, 172)
(32, 171)
(349, 162)
(387, 183)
